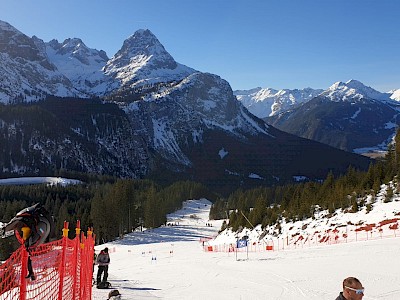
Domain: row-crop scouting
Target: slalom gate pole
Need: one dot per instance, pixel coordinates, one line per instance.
(236, 249)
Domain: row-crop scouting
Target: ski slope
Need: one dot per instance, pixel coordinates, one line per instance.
(169, 263)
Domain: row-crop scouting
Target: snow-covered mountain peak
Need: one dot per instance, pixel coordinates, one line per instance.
(26, 70)
(76, 48)
(356, 84)
(143, 43)
(143, 38)
(353, 90)
(73, 42)
(337, 85)
(141, 62)
(79, 63)
(264, 102)
(144, 60)
(74, 45)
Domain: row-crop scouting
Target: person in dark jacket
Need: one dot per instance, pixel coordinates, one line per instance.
(103, 260)
(352, 289)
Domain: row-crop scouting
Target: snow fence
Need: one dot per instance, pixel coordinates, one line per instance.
(63, 270)
(342, 234)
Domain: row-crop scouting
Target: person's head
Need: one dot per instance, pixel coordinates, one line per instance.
(105, 250)
(352, 289)
(114, 295)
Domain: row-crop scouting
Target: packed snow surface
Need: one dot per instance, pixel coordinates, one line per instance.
(169, 262)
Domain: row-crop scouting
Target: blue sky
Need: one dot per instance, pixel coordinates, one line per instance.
(266, 43)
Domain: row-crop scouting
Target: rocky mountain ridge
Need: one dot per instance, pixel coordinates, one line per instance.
(267, 102)
(141, 115)
(71, 69)
(349, 116)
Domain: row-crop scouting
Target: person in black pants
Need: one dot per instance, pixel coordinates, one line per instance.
(103, 260)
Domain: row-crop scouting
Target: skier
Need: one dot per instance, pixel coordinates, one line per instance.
(39, 224)
(103, 260)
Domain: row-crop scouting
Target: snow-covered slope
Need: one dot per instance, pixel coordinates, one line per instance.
(39, 180)
(169, 262)
(341, 226)
(268, 102)
(395, 94)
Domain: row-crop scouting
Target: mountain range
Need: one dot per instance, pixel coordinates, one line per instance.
(139, 114)
(348, 115)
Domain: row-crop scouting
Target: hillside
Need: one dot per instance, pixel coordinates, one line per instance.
(169, 262)
(377, 218)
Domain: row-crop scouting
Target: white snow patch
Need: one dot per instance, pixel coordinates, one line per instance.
(222, 153)
(232, 173)
(255, 176)
(164, 139)
(390, 125)
(300, 178)
(39, 180)
(209, 104)
(356, 114)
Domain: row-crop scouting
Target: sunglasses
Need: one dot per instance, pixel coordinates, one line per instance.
(358, 291)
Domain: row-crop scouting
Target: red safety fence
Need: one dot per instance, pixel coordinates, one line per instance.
(63, 270)
(343, 234)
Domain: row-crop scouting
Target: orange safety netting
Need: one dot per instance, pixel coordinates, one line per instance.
(63, 270)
